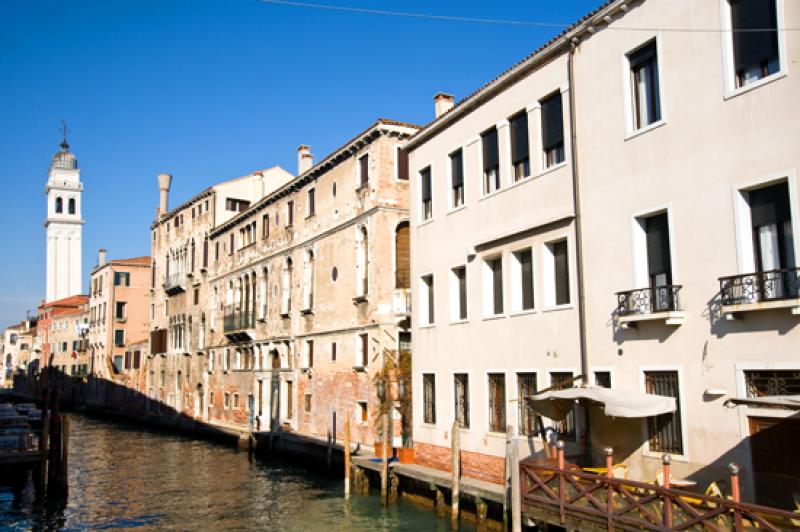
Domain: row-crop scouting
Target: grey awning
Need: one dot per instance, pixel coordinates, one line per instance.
(616, 403)
(791, 402)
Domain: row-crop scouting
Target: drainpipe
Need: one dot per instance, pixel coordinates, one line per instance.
(576, 205)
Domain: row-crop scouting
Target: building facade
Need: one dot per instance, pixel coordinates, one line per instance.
(63, 326)
(672, 271)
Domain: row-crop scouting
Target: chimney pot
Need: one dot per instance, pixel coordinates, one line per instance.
(164, 181)
(101, 257)
(305, 159)
(443, 102)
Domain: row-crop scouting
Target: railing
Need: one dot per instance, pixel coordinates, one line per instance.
(560, 494)
(401, 301)
(173, 283)
(237, 320)
(772, 285)
(649, 300)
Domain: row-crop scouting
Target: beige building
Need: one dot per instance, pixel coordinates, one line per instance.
(118, 310)
(309, 293)
(63, 327)
(672, 272)
(179, 314)
(19, 350)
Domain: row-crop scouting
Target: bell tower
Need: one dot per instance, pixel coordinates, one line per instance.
(63, 225)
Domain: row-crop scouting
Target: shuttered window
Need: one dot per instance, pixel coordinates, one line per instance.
(561, 272)
(461, 388)
(497, 402)
(491, 161)
(402, 164)
(363, 165)
(425, 193)
(429, 397)
(644, 86)
(457, 176)
(664, 431)
(158, 341)
(526, 387)
(402, 259)
(552, 129)
(755, 53)
(519, 145)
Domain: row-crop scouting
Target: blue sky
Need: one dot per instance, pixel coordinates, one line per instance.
(210, 90)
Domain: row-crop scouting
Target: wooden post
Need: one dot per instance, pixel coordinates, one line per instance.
(384, 460)
(44, 448)
(516, 499)
(562, 488)
(609, 489)
(665, 461)
(331, 438)
(65, 455)
(347, 456)
(455, 453)
(733, 469)
(507, 479)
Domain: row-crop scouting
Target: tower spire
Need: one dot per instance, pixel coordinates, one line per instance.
(64, 143)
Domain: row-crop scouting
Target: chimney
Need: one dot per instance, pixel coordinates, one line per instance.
(164, 181)
(101, 257)
(443, 103)
(304, 159)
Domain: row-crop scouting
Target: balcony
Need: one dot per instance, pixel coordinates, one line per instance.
(237, 320)
(650, 304)
(773, 289)
(175, 283)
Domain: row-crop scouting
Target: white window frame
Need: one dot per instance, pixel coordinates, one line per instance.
(487, 412)
(745, 253)
(549, 273)
(729, 71)
(516, 280)
(362, 358)
(422, 219)
(358, 409)
(455, 294)
(424, 319)
(488, 285)
(517, 400)
(451, 207)
(358, 168)
(436, 393)
(609, 369)
(639, 263)
(470, 382)
(630, 129)
(548, 423)
(308, 203)
(682, 403)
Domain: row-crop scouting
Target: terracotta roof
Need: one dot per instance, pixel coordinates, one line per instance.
(146, 260)
(71, 301)
(68, 312)
(485, 89)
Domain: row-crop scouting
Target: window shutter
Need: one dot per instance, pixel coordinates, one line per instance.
(402, 164)
(519, 137)
(769, 205)
(658, 256)
(457, 168)
(490, 150)
(526, 267)
(425, 176)
(753, 47)
(552, 122)
(364, 163)
(561, 263)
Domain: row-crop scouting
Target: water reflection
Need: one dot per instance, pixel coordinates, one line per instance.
(126, 476)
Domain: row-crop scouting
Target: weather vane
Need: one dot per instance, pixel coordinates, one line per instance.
(64, 143)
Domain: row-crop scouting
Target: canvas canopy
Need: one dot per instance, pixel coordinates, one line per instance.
(791, 402)
(558, 404)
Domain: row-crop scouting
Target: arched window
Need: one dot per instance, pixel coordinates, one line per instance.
(402, 264)
(286, 303)
(262, 296)
(362, 262)
(59, 205)
(71, 206)
(308, 280)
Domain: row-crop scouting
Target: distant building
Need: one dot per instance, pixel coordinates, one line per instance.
(63, 327)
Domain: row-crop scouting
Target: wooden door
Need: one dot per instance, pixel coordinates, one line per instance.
(776, 462)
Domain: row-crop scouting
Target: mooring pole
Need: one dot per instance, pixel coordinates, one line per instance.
(516, 501)
(347, 456)
(44, 448)
(385, 462)
(455, 454)
(65, 455)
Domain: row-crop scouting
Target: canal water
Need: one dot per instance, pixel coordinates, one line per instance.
(124, 475)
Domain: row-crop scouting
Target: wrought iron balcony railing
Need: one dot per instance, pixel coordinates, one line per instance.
(174, 283)
(237, 320)
(758, 287)
(649, 300)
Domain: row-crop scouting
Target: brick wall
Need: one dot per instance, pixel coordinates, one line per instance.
(473, 465)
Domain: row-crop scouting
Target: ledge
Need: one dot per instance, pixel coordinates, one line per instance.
(307, 311)
(360, 299)
(730, 311)
(673, 318)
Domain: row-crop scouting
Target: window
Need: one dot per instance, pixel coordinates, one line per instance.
(602, 379)
(59, 205)
(196, 296)
(645, 97)
(771, 219)
(522, 280)
(458, 293)
(427, 309)
(765, 383)
(289, 213)
(265, 226)
(119, 337)
(311, 201)
(497, 402)
(566, 427)
(308, 354)
(426, 197)
(429, 397)
(363, 173)
(118, 363)
(664, 431)
(552, 130)
(236, 400)
(402, 164)
(286, 289)
(557, 282)
(308, 281)
(71, 206)
(520, 159)
(119, 310)
(362, 350)
(211, 356)
(231, 244)
(362, 412)
(491, 161)
(307, 403)
(122, 279)
(493, 286)
(227, 400)
(457, 178)
(526, 387)
(333, 352)
(461, 389)
(236, 205)
(362, 262)
(755, 53)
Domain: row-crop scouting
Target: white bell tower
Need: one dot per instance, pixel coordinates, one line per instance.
(64, 225)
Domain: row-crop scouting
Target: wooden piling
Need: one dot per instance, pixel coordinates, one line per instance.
(65, 455)
(384, 461)
(455, 453)
(44, 448)
(346, 456)
(507, 480)
(516, 500)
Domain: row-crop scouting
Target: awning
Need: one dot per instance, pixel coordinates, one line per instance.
(616, 403)
(791, 402)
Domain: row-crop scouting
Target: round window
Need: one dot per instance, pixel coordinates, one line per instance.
(334, 273)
